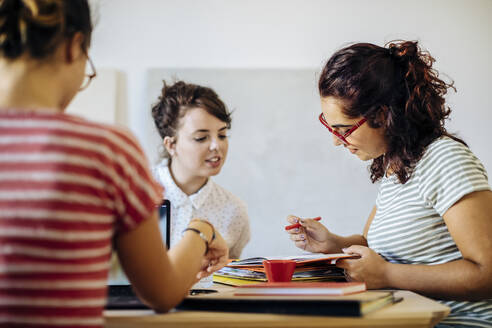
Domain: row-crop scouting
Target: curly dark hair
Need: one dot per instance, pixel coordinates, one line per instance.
(176, 99)
(394, 87)
(38, 27)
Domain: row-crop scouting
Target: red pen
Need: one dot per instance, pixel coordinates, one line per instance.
(297, 225)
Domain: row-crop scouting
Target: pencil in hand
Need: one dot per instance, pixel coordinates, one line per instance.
(297, 225)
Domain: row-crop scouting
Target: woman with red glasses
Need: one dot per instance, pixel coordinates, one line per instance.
(430, 230)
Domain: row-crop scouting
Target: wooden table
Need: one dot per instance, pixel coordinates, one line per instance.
(414, 311)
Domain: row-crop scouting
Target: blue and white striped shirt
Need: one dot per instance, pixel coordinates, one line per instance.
(408, 227)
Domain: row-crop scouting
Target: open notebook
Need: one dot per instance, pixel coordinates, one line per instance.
(120, 292)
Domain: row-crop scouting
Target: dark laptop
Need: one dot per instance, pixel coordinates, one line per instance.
(120, 292)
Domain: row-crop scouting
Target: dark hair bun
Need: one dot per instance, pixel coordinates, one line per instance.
(39, 26)
(406, 50)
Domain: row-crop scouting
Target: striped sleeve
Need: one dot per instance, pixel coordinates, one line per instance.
(136, 192)
(447, 172)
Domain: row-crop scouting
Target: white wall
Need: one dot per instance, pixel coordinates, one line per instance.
(133, 36)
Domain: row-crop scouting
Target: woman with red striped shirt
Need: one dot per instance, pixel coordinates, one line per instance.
(71, 189)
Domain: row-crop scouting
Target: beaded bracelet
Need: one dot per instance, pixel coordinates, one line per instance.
(202, 235)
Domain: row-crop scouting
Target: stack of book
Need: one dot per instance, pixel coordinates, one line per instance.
(309, 268)
(315, 298)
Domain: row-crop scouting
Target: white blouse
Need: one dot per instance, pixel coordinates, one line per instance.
(220, 207)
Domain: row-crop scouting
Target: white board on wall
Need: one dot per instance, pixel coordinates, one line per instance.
(101, 101)
(281, 159)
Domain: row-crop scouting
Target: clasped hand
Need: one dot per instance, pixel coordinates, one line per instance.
(216, 257)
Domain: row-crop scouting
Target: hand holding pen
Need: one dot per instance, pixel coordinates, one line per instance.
(297, 225)
(311, 235)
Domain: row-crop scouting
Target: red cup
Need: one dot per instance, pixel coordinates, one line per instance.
(279, 270)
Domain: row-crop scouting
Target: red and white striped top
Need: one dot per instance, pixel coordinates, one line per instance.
(66, 187)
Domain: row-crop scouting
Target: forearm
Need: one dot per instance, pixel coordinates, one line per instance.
(457, 280)
(180, 275)
(161, 280)
(347, 241)
(187, 256)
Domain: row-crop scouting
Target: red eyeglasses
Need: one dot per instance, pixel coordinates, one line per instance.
(343, 137)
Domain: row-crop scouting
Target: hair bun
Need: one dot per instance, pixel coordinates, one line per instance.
(403, 50)
(39, 26)
(392, 50)
(10, 34)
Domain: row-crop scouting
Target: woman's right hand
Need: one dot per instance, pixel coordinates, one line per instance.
(312, 236)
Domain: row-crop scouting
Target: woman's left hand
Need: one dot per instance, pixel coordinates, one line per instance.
(369, 268)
